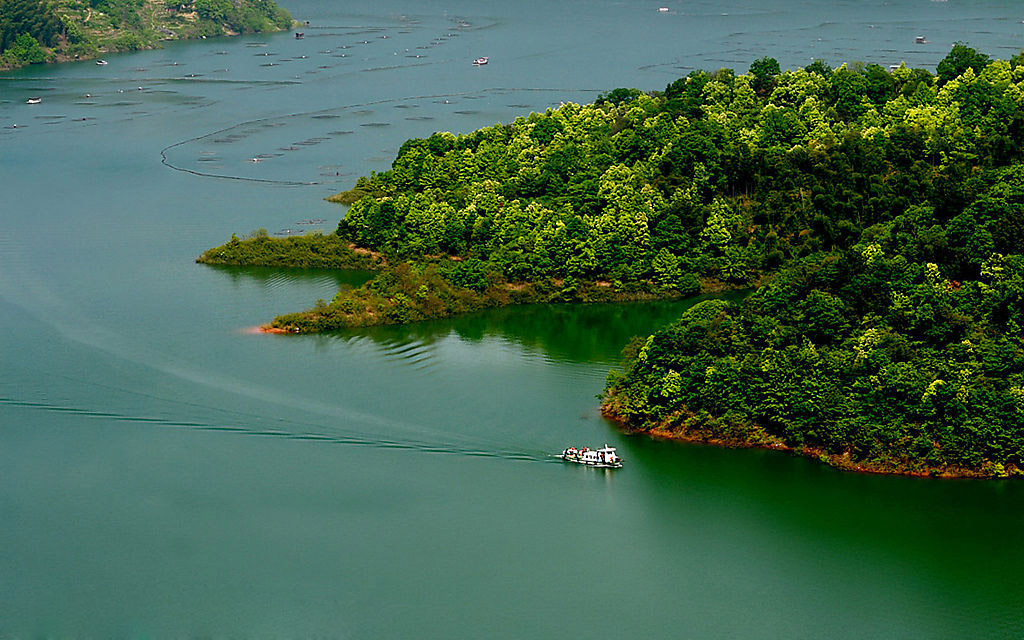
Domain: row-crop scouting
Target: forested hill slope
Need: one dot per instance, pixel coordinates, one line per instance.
(892, 338)
(33, 31)
(720, 176)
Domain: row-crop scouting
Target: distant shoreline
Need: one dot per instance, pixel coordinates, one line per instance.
(68, 32)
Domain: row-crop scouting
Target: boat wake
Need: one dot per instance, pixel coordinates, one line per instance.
(292, 432)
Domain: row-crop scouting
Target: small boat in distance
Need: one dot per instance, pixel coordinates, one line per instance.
(920, 40)
(299, 35)
(605, 457)
(101, 62)
(33, 100)
(480, 61)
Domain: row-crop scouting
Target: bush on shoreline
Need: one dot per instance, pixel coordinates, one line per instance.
(314, 250)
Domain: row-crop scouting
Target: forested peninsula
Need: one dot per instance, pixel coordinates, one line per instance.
(36, 31)
(876, 215)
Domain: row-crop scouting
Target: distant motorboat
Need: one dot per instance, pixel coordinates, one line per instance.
(299, 35)
(920, 40)
(605, 457)
(101, 62)
(662, 9)
(480, 61)
(34, 100)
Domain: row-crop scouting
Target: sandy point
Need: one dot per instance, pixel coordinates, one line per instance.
(262, 329)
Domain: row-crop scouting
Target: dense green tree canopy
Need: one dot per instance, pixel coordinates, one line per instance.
(960, 59)
(723, 177)
(880, 216)
(34, 18)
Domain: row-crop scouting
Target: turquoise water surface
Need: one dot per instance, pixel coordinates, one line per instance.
(166, 472)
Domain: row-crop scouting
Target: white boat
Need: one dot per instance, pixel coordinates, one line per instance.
(480, 61)
(33, 100)
(101, 62)
(605, 457)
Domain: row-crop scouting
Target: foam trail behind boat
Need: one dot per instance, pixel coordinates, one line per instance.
(293, 432)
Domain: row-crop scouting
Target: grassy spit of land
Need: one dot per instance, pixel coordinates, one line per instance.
(410, 291)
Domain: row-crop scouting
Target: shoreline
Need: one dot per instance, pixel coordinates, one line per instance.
(264, 328)
(841, 462)
(64, 58)
(366, 307)
(158, 24)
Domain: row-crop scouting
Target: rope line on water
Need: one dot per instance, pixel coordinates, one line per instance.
(296, 183)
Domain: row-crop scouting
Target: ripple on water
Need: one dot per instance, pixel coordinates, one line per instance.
(414, 353)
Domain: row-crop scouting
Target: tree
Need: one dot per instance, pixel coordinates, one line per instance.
(881, 86)
(618, 96)
(960, 59)
(819, 67)
(35, 18)
(849, 91)
(763, 72)
(25, 50)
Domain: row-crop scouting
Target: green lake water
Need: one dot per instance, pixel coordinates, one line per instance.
(165, 472)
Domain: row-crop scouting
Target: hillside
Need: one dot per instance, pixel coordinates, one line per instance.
(877, 215)
(35, 31)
